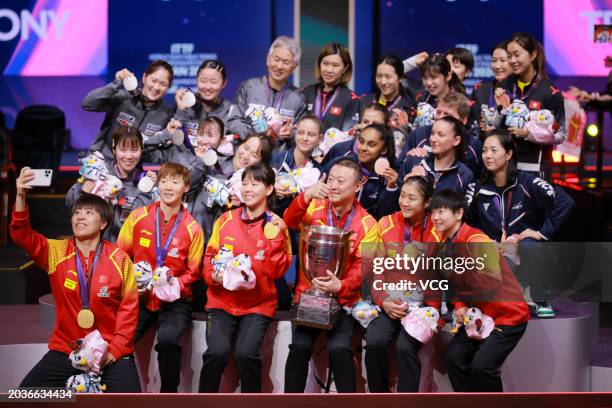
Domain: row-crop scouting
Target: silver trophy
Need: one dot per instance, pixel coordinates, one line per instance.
(321, 249)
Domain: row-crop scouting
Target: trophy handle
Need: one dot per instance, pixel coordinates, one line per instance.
(302, 256)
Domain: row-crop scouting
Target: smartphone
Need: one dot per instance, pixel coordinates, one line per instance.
(42, 178)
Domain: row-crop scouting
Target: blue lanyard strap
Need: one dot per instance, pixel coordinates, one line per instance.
(84, 283)
(160, 253)
(347, 223)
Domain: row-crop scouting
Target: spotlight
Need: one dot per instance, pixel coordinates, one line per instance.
(592, 130)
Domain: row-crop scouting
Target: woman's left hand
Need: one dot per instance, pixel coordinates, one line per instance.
(284, 132)
(520, 133)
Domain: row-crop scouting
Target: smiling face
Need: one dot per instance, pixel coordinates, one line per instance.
(209, 136)
(412, 202)
(86, 223)
(499, 64)
(156, 84)
(519, 59)
(370, 146)
(280, 64)
(343, 185)
(127, 156)
(171, 190)
(307, 136)
(254, 193)
(248, 153)
(443, 138)
(387, 80)
(436, 83)
(445, 220)
(494, 157)
(210, 84)
(332, 67)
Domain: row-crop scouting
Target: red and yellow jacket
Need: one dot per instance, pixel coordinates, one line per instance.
(137, 238)
(270, 259)
(365, 232)
(113, 294)
(392, 232)
(497, 283)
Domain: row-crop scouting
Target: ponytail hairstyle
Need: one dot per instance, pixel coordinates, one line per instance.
(438, 64)
(398, 66)
(458, 130)
(507, 143)
(531, 45)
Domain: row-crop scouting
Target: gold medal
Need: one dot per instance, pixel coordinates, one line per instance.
(271, 231)
(85, 319)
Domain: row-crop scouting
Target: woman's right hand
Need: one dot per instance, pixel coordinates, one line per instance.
(122, 74)
(173, 125)
(88, 185)
(22, 183)
(501, 98)
(396, 309)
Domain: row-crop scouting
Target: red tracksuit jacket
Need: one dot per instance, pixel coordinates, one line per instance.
(392, 232)
(137, 238)
(113, 294)
(505, 287)
(269, 258)
(365, 232)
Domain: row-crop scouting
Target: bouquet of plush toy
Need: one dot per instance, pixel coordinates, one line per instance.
(263, 119)
(87, 355)
(542, 127)
(298, 180)
(477, 325)
(424, 115)
(332, 137)
(363, 311)
(218, 192)
(488, 115)
(144, 276)
(106, 185)
(237, 270)
(422, 323)
(165, 286)
(516, 114)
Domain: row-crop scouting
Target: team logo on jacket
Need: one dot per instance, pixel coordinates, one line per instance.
(336, 110)
(535, 105)
(309, 107)
(486, 206)
(287, 112)
(70, 284)
(260, 255)
(125, 119)
(103, 293)
(517, 206)
(173, 252)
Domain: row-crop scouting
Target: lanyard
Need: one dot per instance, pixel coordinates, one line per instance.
(271, 99)
(347, 223)
(321, 107)
(84, 283)
(395, 102)
(532, 88)
(160, 253)
(408, 231)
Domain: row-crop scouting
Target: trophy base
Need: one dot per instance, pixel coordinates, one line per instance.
(316, 310)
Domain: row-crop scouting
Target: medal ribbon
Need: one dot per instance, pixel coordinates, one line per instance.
(85, 283)
(160, 253)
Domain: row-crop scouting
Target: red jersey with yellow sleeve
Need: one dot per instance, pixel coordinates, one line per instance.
(270, 259)
(495, 281)
(364, 238)
(113, 295)
(137, 238)
(394, 235)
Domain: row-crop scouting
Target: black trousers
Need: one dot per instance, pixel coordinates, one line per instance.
(339, 347)
(249, 331)
(54, 369)
(379, 336)
(475, 366)
(172, 318)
